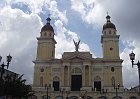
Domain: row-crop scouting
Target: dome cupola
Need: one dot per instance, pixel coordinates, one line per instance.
(108, 24)
(47, 27)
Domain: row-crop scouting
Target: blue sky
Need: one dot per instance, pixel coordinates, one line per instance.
(22, 20)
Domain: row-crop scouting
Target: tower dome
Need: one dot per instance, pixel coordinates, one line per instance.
(47, 27)
(108, 24)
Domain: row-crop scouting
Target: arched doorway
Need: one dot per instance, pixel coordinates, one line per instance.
(76, 79)
(97, 83)
(56, 83)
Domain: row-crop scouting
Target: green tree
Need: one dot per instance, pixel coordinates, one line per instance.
(15, 87)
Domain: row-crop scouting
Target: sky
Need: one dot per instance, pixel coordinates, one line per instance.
(21, 22)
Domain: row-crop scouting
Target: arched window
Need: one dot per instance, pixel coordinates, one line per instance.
(42, 69)
(97, 83)
(113, 80)
(112, 69)
(41, 81)
(66, 76)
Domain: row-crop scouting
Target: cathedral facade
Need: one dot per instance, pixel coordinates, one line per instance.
(78, 75)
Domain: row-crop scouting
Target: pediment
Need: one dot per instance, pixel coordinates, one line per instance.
(75, 56)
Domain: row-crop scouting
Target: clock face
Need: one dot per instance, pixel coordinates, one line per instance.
(112, 69)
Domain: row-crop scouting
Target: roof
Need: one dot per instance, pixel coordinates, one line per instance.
(108, 24)
(47, 27)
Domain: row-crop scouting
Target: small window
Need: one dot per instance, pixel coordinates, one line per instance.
(66, 66)
(42, 69)
(112, 69)
(111, 49)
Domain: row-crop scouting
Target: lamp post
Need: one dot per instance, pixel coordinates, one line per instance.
(47, 89)
(9, 58)
(132, 58)
(67, 93)
(116, 87)
(62, 90)
(103, 91)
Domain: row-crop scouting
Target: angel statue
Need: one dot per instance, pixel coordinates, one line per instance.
(76, 45)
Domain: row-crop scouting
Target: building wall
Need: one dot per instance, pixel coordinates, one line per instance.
(96, 77)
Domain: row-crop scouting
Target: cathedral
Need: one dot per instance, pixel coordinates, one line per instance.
(78, 75)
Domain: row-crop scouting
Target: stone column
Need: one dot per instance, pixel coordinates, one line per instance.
(83, 76)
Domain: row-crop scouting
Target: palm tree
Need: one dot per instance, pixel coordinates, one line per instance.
(15, 87)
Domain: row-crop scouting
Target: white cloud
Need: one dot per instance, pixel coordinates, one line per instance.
(18, 32)
(38, 6)
(64, 38)
(130, 75)
(90, 10)
(73, 36)
(56, 13)
(35, 6)
(124, 14)
(78, 6)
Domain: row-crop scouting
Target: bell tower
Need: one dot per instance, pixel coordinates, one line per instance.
(46, 42)
(110, 40)
(110, 47)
